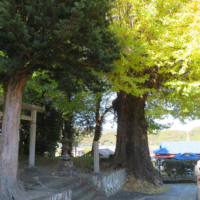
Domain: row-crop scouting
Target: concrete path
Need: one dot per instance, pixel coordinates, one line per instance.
(176, 192)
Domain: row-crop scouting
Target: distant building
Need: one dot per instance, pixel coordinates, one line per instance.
(170, 149)
(102, 152)
(78, 152)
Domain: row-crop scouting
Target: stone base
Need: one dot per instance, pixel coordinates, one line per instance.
(65, 169)
(65, 163)
(65, 166)
(31, 170)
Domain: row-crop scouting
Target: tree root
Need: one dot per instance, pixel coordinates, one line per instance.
(21, 186)
(14, 192)
(158, 182)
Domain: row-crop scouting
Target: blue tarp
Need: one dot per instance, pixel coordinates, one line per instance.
(186, 156)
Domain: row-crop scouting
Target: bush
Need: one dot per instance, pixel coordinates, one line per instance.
(178, 165)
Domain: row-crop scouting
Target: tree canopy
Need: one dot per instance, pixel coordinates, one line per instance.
(55, 34)
(160, 55)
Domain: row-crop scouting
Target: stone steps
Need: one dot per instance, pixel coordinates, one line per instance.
(100, 198)
(81, 189)
(89, 195)
(62, 182)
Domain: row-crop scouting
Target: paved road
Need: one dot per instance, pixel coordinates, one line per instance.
(176, 192)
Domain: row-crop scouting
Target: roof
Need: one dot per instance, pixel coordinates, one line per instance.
(178, 147)
(105, 152)
(186, 156)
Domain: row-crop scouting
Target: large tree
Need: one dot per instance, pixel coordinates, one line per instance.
(52, 35)
(159, 57)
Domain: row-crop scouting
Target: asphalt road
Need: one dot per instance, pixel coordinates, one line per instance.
(176, 192)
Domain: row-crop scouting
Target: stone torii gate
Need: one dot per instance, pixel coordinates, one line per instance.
(34, 109)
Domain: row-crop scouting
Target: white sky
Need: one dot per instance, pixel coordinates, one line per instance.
(183, 127)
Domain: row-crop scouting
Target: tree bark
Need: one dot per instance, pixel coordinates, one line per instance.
(9, 186)
(99, 121)
(132, 149)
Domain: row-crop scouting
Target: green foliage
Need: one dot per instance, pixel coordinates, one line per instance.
(66, 36)
(42, 91)
(49, 126)
(160, 56)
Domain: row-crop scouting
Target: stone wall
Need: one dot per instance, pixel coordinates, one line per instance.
(109, 182)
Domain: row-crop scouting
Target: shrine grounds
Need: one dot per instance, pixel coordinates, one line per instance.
(186, 191)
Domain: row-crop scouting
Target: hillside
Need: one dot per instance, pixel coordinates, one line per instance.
(109, 138)
(174, 135)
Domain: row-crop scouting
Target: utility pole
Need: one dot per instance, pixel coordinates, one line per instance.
(188, 137)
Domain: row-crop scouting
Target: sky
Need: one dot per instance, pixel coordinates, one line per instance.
(177, 125)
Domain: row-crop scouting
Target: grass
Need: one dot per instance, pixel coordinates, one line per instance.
(133, 184)
(41, 159)
(83, 162)
(77, 161)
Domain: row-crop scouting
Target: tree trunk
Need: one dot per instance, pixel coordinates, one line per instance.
(21, 145)
(9, 186)
(132, 149)
(98, 120)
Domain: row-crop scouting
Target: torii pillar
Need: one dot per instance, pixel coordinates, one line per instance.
(32, 138)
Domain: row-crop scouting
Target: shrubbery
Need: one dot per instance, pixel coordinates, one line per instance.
(180, 166)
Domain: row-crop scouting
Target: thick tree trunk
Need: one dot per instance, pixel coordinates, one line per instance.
(9, 186)
(132, 149)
